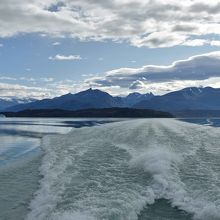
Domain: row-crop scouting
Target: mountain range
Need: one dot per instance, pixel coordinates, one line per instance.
(191, 98)
(91, 98)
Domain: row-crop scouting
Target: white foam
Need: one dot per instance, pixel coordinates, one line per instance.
(47, 196)
(114, 170)
(71, 216)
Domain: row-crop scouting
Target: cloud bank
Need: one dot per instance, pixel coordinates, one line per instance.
(200, 70)
(8, 90)
(142, 23)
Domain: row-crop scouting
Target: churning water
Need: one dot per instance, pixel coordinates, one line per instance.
(145, 169)
(20, 158)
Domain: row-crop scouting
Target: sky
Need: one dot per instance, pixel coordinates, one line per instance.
(52, 47)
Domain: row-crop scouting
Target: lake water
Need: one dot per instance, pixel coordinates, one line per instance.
(140, 169)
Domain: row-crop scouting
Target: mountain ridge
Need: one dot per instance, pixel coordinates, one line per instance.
(190, 98)
(91, 98)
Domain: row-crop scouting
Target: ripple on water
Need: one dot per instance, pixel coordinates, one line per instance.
(18, 182)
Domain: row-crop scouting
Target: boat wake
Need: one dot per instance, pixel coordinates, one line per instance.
(114, 171)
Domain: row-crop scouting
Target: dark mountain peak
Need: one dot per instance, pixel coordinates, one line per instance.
(150, 94)
(87, 90)
(210, 89)
(69, 93)
(192, 91)
(198, 91)
(133, 95)
(186, 92)
(92, 92)
(137, 95)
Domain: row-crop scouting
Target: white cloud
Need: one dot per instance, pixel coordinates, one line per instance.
(215, 43)
(56, 43)
(45, 87)
(7, 78)
(50, 79)
(21, 91)
(159, 39)
(1, 45)
(197, 42)
(150, 23)
(28, 79)
(63, 57)
(197, 70)
(49, 89)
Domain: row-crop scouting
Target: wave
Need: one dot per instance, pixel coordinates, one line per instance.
(209, 122)
(115, 170)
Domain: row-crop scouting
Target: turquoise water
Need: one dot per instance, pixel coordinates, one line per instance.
(128, 170)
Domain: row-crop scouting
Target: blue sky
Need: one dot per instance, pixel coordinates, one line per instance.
(49, 48)
(27, 56)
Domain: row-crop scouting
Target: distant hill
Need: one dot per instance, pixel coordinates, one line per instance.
(186, 99)
(9, 102)
(105, 112)
(91, 98)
